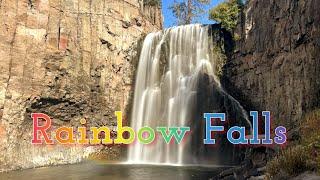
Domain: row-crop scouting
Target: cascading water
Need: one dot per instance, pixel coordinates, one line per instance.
(171, 63)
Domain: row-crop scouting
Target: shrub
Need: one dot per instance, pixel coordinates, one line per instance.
(310, 134)
(236, 37)
(290, 162)
(220, 60)
(310, 125)
(303, 157)
(226, 13)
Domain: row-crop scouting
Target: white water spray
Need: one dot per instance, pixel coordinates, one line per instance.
(166, 89)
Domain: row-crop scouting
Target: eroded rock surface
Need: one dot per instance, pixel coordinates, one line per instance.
(70, 59)
(276, 63)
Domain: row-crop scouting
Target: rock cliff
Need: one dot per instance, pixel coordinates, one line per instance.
(275, 65)
(70, 59)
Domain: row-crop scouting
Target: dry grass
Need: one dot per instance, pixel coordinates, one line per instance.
(310, 134)
(291, 161)
(300, 158)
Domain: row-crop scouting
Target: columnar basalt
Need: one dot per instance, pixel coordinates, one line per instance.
(69, 59)
(275, 65)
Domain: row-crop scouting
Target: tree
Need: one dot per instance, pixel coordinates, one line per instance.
(226, 13)
(185, 11)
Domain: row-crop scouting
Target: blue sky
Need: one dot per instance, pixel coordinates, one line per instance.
(169, 19)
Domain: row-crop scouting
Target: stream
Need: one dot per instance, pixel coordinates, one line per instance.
(98, 170)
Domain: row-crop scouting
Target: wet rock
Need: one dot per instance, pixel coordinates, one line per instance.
(230, 177)
(307, 176)
(226, 173)
(262, 170)
(263, 177)
(252, 173)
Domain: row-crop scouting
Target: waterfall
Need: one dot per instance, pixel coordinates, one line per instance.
(170, 65)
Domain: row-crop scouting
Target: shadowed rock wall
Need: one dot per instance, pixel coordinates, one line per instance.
(276, 63)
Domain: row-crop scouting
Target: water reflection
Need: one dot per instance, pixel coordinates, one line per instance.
(93, 170)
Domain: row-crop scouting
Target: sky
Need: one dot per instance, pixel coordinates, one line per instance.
(169, 19)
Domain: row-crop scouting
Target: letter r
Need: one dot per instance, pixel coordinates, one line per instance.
(41, 129)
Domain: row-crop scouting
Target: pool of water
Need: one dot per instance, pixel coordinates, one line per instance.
(94, 170)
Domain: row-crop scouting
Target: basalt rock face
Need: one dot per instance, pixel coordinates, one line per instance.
(70, 60)
(276, 65)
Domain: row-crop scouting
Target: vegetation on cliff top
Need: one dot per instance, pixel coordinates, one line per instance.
(226, 13)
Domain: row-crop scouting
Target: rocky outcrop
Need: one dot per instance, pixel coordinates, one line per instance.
(276, 65)
(68, 59)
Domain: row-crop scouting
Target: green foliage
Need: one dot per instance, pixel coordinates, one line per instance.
(152, 2)
(236, 36)
(186, 11)
(219, 56)
(226, 13)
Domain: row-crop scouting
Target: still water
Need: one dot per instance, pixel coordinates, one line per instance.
(94, 170)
